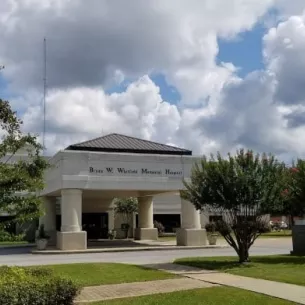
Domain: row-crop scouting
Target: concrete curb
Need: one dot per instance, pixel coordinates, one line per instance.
(109, 250)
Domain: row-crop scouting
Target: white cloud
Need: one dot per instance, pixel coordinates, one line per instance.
(81, 113)
(265, 111)
(94, 46)
(289, 8)
(87, 44)
(284, 52)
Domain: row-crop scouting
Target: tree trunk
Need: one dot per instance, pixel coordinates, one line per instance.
(243, 253)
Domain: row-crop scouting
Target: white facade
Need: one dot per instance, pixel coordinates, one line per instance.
(89, 181)
(86, 182)
(167, 204)
(130, 173)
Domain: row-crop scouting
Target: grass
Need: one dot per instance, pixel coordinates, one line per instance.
(274, 234)
(12, 243)
(280, 268)
(284, 233)
(93, 274)
(167, 238)
(208, 296)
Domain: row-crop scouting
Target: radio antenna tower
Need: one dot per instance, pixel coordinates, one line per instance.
(44, 91)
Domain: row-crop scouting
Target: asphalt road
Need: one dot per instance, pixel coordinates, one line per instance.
(23, 256)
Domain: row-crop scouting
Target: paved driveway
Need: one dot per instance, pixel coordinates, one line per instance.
(23, 256)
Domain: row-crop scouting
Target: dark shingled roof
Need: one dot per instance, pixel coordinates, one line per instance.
(120, 143)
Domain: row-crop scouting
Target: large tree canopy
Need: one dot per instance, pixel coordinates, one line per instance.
(20, 179)
(242, 189)
(294, 192)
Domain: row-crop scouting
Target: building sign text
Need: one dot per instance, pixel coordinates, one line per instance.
(134, 171)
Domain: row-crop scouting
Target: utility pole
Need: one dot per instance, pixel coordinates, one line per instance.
(44, 91)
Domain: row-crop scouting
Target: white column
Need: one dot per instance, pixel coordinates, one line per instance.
(71, 236)
(146, 230)
(146, 212)
(134, 225)
(190, 233)
(190, 217)
(71, 210)
(204, 219)
(111, 219)
(49, 217)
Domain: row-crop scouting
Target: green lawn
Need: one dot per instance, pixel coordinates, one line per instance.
(283, 268)
(13, 243)
(167, 238)
(104, 273)
(284, 233)
(208, 296)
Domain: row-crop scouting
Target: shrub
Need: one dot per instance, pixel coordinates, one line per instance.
(223, 228)
(159, 226)
(18, 237)
(211, 227)
(6, 236)
(42, 234)
(40, 272)
(264, 228)
(35, 286)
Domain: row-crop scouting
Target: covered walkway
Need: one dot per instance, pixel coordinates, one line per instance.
(87, 177)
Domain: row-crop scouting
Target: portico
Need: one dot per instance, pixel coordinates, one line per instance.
(86, 177)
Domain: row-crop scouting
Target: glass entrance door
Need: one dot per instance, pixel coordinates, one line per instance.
(96, 225)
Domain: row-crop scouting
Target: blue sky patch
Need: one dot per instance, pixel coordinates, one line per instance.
(4, 92)
(245, 52)
(118, 88)
(169, 93)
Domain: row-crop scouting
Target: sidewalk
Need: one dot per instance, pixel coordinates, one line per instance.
(284, 291)
(191, 278)
(108, 292)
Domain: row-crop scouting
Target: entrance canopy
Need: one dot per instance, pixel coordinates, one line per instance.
(122, 163)
(89, 175)
(116, 143)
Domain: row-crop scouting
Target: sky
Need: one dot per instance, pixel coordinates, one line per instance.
(207, 75)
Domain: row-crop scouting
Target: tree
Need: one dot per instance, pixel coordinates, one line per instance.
(20, 180)
(126, 207)
(294, 192)
(243, 189)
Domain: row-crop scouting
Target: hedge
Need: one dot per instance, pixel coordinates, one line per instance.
(35, 286)
(6, 236)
